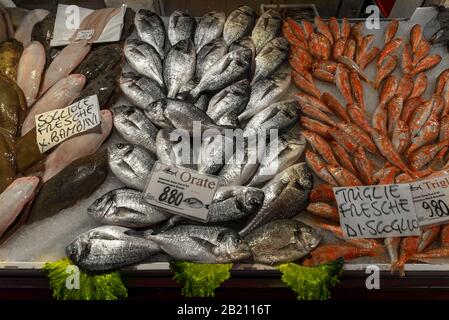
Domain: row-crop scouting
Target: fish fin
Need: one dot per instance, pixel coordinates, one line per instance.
(144, 234)
(208, 245)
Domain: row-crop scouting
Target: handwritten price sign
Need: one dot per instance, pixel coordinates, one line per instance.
(377, 211)
(56, 126)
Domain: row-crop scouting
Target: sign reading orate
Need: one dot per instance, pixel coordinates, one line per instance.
(181, 191)
(431, 198)
(380, 211)
(56, 126)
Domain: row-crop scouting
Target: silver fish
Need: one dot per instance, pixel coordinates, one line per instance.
(126, 208)
(179, 66)
(179, 114)
(181, 26)
(176, 150)
(151, 29)
(109, 248)
(229, 204)
(233, 67)
(203, 102)
(242, 165)
(202, 244)
(225, 107)
(285, 196)
(140, 90)
(280, 116)
(267, 28)
(244, 43)
(280, 154)
(132, 124)
(265, 92)
(272, 56)
(131, 164)
(144, 59)
(239, 24)
(282, 241)
(210, 54)
(210, 27)
(215, 152)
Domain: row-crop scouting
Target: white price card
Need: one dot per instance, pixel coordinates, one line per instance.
(56, 126)
(431, 198)
(181, 191)
(380, 211)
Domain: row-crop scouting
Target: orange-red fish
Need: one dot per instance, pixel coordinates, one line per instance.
(344, 178)
(388, 50)
(380, 118)
(419, 85)
(343, 84)
(323, 75)
(387, 68)
(364, 166)
(401, 136)
(357, 89)
(427, 63)
(406, 60)
(350, 49)
(358, 117)
(343, 140)
(416, 35)
(319, 167)
(410, 107)
(422, 52)
(315, 126)
(335, 106)
(358, 135)
(320, 146)
(323, 192)
(368, 57)
(391, 30)
(319, 46)
(316, 114)
(334, 28)
(328, 253)
(343, 157)
(389, 89)
(405, 87)
(394, 109)
(323, 28)
(304, 85)
(323, 210)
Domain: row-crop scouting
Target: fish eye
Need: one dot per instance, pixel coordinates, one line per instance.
(120, 146)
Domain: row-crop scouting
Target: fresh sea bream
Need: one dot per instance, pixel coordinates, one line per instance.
(280, 116)
(144, 59)
(209, 28)
(270, 58)
(279, 155)
(239, 24)
(215, 152)
(202, 244)
(126, 208)
(109, 248)
(265, 92)
(209, 54)
(77, 147)
(151, 30)
(181, 26)
(285, 196)
(267, 28)
(173, 150)
(179, 66)
(179, 114)
(242, 165)
(30, 70)
(140, 90)
(132, 124)
(225, 107)
(229, 204)
(282, 241)
(15, 198)
(61, 95)
(131, 164)
(244, 43)
(233, 67)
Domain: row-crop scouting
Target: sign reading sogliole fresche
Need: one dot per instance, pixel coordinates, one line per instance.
(181, 191)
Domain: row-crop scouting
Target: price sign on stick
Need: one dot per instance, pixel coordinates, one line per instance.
(431, 198)
(380, 211)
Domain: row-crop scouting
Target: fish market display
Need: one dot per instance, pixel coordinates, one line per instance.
(214, 94)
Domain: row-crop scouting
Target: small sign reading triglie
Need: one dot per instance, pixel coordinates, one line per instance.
(56, 126)
(181, 191)
(380, 211)
(431, 198)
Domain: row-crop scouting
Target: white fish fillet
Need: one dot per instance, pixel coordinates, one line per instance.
(64, 63)
(31, 67)
(23, 32)
(14, 199)
(59, 96)
(77, 147)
